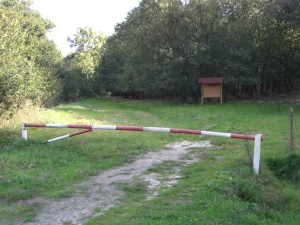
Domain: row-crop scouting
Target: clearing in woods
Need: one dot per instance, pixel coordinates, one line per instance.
(125, 177)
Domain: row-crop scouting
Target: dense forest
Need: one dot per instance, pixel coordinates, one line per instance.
(159, 51)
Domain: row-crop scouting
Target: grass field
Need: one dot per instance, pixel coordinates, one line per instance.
(220, 189)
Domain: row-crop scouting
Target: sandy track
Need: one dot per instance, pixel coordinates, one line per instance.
(100, 192)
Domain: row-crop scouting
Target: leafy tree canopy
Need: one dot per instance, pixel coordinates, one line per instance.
(164, 46)
(29, 61)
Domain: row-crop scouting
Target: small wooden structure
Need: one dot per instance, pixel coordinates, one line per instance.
(211, 87)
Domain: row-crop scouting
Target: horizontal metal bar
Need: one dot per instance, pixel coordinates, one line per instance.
(139, 128)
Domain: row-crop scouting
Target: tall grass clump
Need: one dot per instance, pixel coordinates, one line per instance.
(287, 167)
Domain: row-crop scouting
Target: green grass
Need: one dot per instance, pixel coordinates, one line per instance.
(287, 168)
(220, 189)
(165, 167)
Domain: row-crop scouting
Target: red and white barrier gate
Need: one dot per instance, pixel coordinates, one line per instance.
(88, 128)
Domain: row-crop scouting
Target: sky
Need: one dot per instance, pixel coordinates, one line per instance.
(68, 15)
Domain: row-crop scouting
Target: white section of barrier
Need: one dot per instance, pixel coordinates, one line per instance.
(210, 133)
(256, 154)
(104, 127)
(58, 138)
(157, 129)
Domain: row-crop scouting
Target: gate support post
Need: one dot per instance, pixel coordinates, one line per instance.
(24, 132)
(256, 153)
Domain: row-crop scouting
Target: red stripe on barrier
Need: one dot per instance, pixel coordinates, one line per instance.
(185, 131)
(34, 125)
(79, 126)
(79, 132)
(243, 136)
(129, 128)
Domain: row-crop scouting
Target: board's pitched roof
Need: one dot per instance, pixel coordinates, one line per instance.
(211, 80)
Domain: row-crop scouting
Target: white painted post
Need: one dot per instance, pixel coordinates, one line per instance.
(256, 153)
(24, 132)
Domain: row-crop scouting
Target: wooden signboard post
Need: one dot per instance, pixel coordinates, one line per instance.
(211, 87)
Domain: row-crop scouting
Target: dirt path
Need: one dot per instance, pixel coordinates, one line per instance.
(100, 193)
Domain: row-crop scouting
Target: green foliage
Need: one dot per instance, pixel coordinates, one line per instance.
(164, 46)
(29, 61)
(75, 84)
(78, 71)
(88, 46)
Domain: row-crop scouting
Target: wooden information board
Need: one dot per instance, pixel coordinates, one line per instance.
(211, 87)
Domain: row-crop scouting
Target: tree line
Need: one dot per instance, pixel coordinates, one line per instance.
(159, 51)
(164, 46)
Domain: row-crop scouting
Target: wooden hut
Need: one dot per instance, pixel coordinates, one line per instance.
(211, 87)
